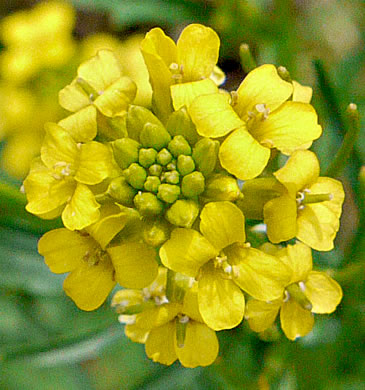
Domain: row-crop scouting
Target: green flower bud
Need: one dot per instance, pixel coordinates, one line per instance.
(121, 191)
(163, 157)
(125, 151)
(152, 183)
(147, 204)
(155, 231)
(185, 164)
(183, 213)
(171, 166)
(171, 177)
(135, 175)
(168, 192)
(136, 118)
(147, 157)
(179, 145)
(154, 136)
(221, 187)
(193, 184)
(179, 123)
(205, 154)
(155, 170)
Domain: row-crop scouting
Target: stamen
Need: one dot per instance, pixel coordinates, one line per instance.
(301, 286)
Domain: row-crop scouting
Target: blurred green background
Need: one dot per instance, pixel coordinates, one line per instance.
(47, 343)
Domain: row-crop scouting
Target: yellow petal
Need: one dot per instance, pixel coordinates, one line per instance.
(200, 347)
(318, 223)
(198, 50)
(298, 258)
(183, 94)
(323, 292)
(135, 264)
(159, 315)
(81, 125)
(242, 155)
(116, 98)
(300, 171)
(191, 305)
(213, 115)
(63, 250)
(186, 251)
(160, 344)
(222, 224)
(280, 216)
(261, 315)
(89, 285)
(73, 97)
(136, 334)
(82, 210)
(261, 275)
(112, 220)
(289, 127)
(221, 302)
(263, 85)
(94, 163)
(295, 321)
(301, 93)
(59, 150)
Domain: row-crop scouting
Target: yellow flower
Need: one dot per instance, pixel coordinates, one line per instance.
(59, 182)
(36, 39)
(306, 293)
(100, 82)
(169, 330)
(223, 265)
(192, 58)
(257, 118)
(309, 206)
(94, 265)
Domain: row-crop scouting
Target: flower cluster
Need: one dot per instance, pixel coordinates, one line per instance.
(157, 200)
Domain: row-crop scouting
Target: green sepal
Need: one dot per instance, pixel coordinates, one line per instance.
(205, 155)
(154, 136)
(126, 151)
(137, 117)
(135, 175)
(183, 213)
(121, 191)
(179, 145)
(179, 123)
(193, 184)
(147, 204)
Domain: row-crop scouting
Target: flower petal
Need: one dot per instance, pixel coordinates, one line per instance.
(200, 347)
(295, 321)
(262, 85)
(242, 155)
(82, 210)
(222, 224)
(63, 250)
(160, 344)
(261, 275)
(136, 334)
(73, 97)
(158, 316)
(135, 264)
(289, 127)
(323, 292)
(300, 171)
(318, 223)
(221, 302)
(183, 94)
(261, 315)
(198, 51)
(301, 93)
(213, 115)
(89, 285)
(280, 216)
(186, 251)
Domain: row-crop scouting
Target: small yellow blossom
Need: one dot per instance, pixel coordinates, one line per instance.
(306, 293)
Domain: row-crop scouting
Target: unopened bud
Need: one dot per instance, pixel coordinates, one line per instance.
(220, 187)
(183, 213)
(135, 175)
(193, 184)
(185, 165)
(284, 74)
(155, 231)
(136, 119)
(147, 204)
(179, 145)
(248, 63)
(154, 136)
(171, 177)
(125, 151)
(180, 123)
(121, 191)
(205, 154)
(147, 157)
(152, 183)
(168, 192)
(163, 157)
